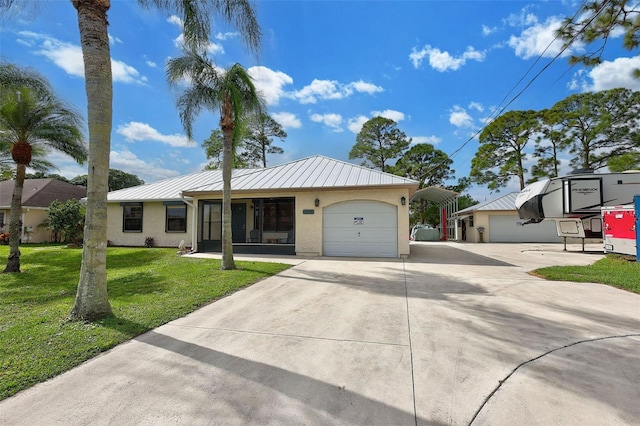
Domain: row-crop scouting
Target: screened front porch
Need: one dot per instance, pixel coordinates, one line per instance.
(259, 225)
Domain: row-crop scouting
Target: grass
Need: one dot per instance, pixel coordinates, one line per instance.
(147, 288)
(613, 270)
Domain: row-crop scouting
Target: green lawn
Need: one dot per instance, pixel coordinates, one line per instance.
(147, 288)
(613, 270)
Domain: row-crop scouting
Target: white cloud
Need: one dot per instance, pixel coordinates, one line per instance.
(460, 118)
(523, 19)
(540, 39)
(331, 90)
(390, 114)
(226, 36)
(212, 48)
(69, 57)
(477, 106)
(175, 20)
(433, 140)
(488, 30)
(113, 40)
(614, 74)
(147, 171)
(151, 64)
(364, 87)
(331, 120)
(270, 83)
(444, 61)
(355, 123)
(136, 131)
(287, 120)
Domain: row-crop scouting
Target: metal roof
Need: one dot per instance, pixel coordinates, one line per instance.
(307, 173)
(503, 203)
(435, 194)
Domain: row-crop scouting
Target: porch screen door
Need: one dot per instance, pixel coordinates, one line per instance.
(210, 235)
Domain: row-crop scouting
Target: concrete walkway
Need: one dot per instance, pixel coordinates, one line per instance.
(458, 334)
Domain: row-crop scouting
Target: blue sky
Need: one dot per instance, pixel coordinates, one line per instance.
(440, 69)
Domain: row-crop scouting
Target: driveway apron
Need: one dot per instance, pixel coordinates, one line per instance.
(447, 337)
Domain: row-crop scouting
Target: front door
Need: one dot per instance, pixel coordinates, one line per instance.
(239, 222)
(210, 235)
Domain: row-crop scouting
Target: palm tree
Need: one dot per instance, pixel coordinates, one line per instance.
(91, 299)
(34, 121)
(232, 94)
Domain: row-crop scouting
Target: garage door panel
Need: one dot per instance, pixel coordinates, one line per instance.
(360, 229)
(507, 229)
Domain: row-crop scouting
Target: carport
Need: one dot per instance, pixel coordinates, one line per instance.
(447, 202)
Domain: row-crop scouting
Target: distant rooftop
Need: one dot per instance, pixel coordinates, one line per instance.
(40, 192)
(503, 203)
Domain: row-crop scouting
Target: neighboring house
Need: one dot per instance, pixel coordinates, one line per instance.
(500, 223)
(37, 196)
(315, 206)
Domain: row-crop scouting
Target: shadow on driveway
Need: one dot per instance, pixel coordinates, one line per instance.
(442, 254)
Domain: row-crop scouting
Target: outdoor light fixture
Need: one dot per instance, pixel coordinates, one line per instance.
(317, 202)
(403, 201)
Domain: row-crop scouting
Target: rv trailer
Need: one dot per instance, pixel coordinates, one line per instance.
(574, 202)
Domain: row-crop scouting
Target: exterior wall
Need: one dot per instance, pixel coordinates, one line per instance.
(33, 230)
(153, 225)
(308, 235)
(309, 226)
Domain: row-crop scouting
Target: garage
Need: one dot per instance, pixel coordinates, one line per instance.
(508, 229)
(360, 229)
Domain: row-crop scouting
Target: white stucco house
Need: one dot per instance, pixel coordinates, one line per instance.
(500, 223)
(315, 206)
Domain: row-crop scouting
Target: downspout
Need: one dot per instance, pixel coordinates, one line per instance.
(194, 214)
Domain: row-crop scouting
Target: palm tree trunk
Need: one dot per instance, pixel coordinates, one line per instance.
(92, 300)
(13, 261)
(227, 238)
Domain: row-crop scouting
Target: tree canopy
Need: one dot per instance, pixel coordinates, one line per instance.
(118, 179)
(424, 163)
(379, 141)
(596, 21)
(501, 153)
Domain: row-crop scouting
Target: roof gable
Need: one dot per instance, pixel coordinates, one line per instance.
(311, 172)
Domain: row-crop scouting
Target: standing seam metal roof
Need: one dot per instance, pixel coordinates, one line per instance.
(307, 173)
(505, 203)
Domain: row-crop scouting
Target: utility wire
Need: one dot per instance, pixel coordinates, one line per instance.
(500, 110)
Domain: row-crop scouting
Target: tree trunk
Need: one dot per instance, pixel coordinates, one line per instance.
(92, 301)
(15, 229)
(226, 123)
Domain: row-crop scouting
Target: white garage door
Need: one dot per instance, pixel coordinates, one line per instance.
(507, 229)
(360, 229)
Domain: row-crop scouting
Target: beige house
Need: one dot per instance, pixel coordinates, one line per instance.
(37, 196)
(496, 221)
(316, 206)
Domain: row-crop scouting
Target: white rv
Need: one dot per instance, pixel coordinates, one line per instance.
(574, 202)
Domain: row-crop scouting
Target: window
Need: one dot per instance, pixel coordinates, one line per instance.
(176, 220)
(131, 217)
(277, 214)
(470, 221)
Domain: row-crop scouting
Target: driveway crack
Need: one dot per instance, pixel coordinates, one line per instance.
(500, 382)
(413, 381)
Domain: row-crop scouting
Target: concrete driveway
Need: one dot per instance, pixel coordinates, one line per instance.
(458, 334)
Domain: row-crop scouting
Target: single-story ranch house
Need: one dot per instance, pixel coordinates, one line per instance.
(315, 206)
(499, 222)
(37, 196)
